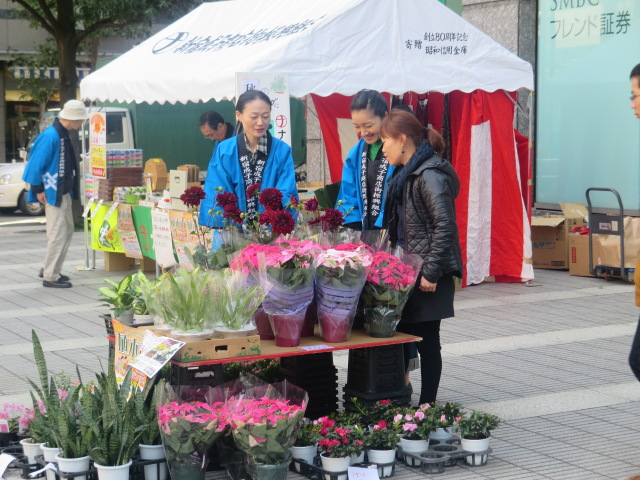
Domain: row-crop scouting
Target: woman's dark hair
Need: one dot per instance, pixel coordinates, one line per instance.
(404, 108)
(399, 122)
(370, 100)
(250, 96)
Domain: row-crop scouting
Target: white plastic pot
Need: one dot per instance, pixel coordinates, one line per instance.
(126, 317)
(31, 449)
(50, 456)
(73, 465)
(338, 464)
(469, 445)
(304, 453)
(413, 446)
(141, 319)
(230, 333)
(442, 434)
(153, 452)
(195, 336)
(120, 472)
(356, 459)
(382, 457)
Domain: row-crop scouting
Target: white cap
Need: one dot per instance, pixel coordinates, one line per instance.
(74, 110)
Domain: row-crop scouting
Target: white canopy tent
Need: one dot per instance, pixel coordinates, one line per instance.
(326, 46)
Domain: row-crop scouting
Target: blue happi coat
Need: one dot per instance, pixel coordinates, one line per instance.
(351, 187)
(46, 165)
(225, 171)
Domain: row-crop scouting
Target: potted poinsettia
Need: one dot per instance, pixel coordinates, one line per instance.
(389, 285)
(340, 276)
(381, 443)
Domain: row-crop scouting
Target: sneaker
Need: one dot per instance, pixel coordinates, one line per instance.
(60, 283)
(62, 277)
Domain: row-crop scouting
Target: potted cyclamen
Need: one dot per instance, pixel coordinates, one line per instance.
(415, 425)
(446, 416)
(381, 445)
(475, 431)
(306, 446)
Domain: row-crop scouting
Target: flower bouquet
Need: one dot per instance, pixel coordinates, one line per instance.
(340, 276)
(390, 283)
(290, 270)
(188, 430)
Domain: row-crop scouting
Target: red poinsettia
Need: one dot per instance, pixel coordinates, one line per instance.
(281, 221)
(271, 199)
(254, 190)
(192, 196)
(224, 199)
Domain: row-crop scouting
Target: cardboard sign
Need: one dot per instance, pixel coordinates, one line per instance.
(127, 231)
(98, 144)
(144, 230)
(128, 343)
(104, 231)
(161, 225)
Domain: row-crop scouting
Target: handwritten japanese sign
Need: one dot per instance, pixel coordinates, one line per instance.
(127, 231)
(98, 144)
(128, 342)
(440, 43)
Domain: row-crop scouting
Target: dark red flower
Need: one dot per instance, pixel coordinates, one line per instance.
(232, 213)
(281, 221)
(384, 402)
(225, 198)
(254, 190)
(192, 196)
(382, 424)
(271, 199)
(311, 205)
(293, 200)
(315, 220)
(331, 220)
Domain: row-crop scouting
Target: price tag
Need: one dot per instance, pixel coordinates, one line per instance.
(113, 207)
(312, 348)
(88, 207)
(95, 212)
(357, 473)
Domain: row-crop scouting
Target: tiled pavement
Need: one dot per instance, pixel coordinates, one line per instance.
(551, 360)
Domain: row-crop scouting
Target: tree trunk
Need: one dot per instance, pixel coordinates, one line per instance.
(95, 44)
(67, 65)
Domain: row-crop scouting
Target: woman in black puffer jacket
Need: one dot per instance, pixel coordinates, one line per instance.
(420, 215)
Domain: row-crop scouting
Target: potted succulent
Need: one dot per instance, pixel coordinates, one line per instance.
(120, 299)
(475, 430)
(446, 416)
(415, 426)
(381, 445)
(306, 446)
(151, 447)
(111, 425)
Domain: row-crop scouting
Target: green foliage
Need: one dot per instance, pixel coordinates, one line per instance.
(477, 425)
(239, 304)
(383, 438)
(382, 410)
(450, 410)
(308, 434)
(121, 297)
(38, 90)
(266, 369)
(112, 426)
(59, 426)
(140, 283)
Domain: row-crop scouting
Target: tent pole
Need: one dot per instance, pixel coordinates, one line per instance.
(324, 179)
(516, 103)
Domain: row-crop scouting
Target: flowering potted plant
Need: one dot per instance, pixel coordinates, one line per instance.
(340, 276)
(475, 430)
(389, 285)
(306, 446)
(415, 426)
(290, 270)
(275, 219)
(339, 446)
(381, 445)
(447, 415)
(10, 426)
(188, 430)
(381, 410)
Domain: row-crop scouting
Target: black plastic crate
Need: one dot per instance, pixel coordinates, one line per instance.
(198, 376)
(377, 370)
(112, 349)
(300, 365)
(108, 325)
(318, 375)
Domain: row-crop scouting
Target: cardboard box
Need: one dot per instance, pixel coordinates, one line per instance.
(550, 236)
(579, 255)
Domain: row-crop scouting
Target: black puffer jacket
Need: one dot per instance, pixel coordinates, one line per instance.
(430, 224)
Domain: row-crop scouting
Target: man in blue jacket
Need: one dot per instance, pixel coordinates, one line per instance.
(52, 173)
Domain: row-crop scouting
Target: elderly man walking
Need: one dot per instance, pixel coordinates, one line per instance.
(52, 173)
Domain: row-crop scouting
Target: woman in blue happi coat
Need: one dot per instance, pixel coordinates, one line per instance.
(253, 156)
(366, 169)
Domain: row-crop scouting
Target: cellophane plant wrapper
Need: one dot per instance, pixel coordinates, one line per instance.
(241, 295)
(390, 282)
(188, 429)
(341, 273)
(266, 419)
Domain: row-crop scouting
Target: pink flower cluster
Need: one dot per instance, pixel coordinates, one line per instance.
(390, 271)
(263, 411)
(193, 412)
(276, 255)
(334, 258)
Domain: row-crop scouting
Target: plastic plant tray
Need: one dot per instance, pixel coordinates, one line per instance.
(445, 453)
(316, 472)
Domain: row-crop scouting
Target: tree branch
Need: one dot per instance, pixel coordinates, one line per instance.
(36, 15)
(105, 23)
(49, 14)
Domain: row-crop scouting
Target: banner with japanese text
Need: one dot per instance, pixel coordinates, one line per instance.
(104, 232)
(128, 343)
(127, 231)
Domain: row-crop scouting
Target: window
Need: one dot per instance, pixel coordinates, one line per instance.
(115, 127)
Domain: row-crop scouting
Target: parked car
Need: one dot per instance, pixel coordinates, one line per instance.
(13, 191)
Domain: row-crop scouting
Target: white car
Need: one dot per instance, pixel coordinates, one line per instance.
(13, 191)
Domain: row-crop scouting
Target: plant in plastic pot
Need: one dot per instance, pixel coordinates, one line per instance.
(151, 293)
(381, 410)
(381, 445)
(475, 430)
(415, 427)
(446, 415)
(338, 446)
(306, 446)
(389, 285)
(151, 447)
(340, 276)
(238, 300)
(10, 426)
(120, 299)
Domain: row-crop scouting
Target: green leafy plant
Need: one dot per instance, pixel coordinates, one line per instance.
(382, 410)
(140, 281)
(266, 369)
(58, 427)
(239, 301)
(121, 297)
(149, 416)
(113, 427)
(308, 434)
(383, 437)
(450, 411)
(477, 425)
